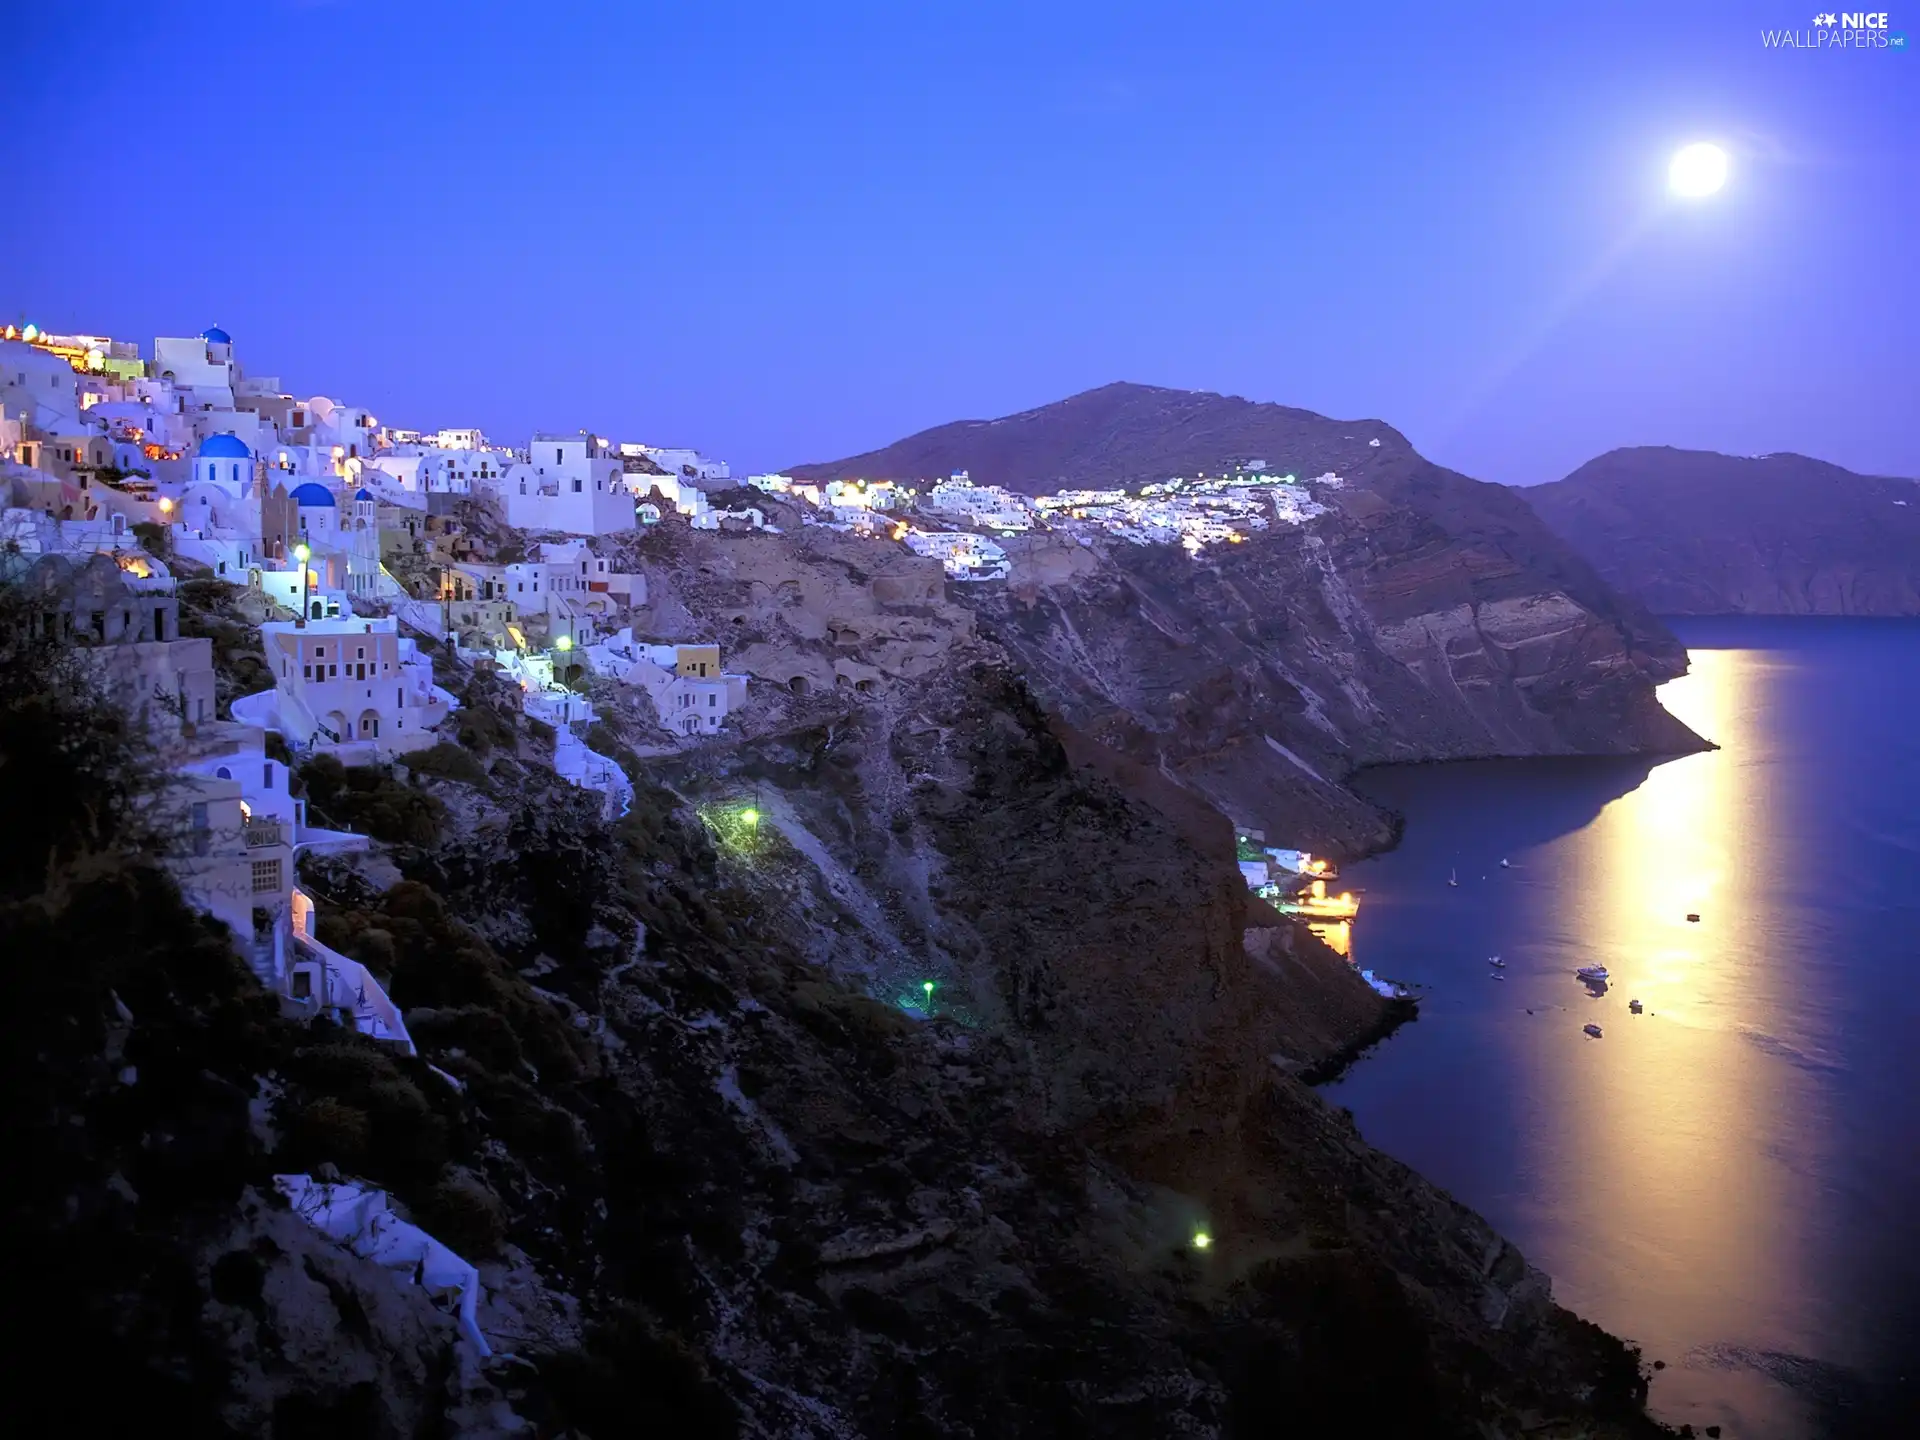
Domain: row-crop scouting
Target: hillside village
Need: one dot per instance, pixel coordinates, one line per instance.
(365, 573)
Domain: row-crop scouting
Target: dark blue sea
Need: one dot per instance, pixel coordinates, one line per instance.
(1731, 1178)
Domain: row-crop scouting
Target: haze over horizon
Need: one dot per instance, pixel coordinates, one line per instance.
(785, 238)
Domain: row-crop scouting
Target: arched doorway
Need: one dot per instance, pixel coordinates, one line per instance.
(369, 725)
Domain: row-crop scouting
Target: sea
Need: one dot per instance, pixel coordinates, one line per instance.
(1729, 1178)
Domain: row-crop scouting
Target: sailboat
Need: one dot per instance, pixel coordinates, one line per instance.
(1453, 877)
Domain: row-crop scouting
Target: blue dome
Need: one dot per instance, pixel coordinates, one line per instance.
(312, 493)
(216, 336)
(364, 495)
(224, 447)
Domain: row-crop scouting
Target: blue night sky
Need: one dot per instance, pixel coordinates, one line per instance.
(783, 232)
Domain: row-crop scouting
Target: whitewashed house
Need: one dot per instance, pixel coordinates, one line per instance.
(352, 685)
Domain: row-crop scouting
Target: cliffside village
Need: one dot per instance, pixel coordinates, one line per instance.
(354, 540)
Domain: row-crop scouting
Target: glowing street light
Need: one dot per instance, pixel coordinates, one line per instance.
(166, 505)
(302, 553)
(564, 643)
(751, 816)
(1202, 1240)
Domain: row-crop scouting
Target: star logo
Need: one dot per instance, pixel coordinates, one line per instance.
(1824, 19)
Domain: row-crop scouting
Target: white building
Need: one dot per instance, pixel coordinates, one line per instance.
(964, 555)
(567, 483)
(690, 692)
(988, 505)
(351, 685)
(675, 460)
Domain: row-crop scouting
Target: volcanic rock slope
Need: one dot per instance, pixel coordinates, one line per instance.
(718, 1181)
(1429, 616)
(1690, 532)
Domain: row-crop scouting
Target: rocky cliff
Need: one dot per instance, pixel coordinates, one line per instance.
(719, 1179)
(1689, 532)
(1430, 617)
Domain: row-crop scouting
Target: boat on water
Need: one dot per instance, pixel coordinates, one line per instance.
(1591, 1029)
(1506, 864)
(1496, 960)
(1497, 974)
(1453, 877)
(1634, 1006)
(1592, 972)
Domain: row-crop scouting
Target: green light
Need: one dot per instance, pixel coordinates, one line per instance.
(565, 642)
(752, 817)
(302, 554)
(1202, 1240)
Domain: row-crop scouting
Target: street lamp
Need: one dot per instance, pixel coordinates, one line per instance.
(301, 553)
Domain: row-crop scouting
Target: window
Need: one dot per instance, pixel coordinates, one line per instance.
(303, 984)
(576, 484)
(266, 875)
(266, 775)
(333, 670)
(359, 652)
(557, 457)
(224, 773)
(319, 652)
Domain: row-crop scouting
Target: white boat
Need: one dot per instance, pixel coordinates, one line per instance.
(1498, 974)
(1591, 1029)
(1592, 972)
(1453, 877)
(1634, 1006)
(1495, 960)
(1506, 864)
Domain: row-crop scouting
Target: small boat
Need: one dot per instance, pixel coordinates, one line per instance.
(1592, 1029)
(1496, 975)
(1693, 919)
(1592, 972)
(1634, 1006)
(1506, 864)
(1496, 960)
(1453, 877)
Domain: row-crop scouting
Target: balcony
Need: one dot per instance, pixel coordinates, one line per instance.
(264, 832)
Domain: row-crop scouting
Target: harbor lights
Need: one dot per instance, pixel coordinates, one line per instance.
(926, 988)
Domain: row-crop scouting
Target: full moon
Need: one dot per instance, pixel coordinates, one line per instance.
(1697, 170)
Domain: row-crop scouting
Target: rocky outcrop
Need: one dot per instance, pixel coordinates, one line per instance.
(1262, 675)
(1689, 532)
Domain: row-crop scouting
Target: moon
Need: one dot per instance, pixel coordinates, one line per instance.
(1698, 170)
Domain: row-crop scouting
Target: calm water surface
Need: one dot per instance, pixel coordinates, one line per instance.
(1732, 1178)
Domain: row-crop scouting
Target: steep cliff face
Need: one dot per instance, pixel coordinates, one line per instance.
(1263, 674)
(1689, 532)
(1431, 617)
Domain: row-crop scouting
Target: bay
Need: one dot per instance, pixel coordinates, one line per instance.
(1730, 1178)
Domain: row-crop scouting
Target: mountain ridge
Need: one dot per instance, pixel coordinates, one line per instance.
(1697, 532)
